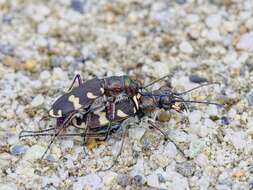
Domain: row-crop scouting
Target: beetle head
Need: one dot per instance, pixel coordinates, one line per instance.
(131, 86)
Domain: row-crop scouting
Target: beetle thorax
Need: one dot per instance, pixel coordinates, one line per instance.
(131, 87)
(148, 104)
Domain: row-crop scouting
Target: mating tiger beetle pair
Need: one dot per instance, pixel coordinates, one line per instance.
(99, 106)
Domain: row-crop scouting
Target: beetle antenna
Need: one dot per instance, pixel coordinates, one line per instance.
(200, 86)
(199, 102)
(53, 134)
(155, 81)
(34, 132)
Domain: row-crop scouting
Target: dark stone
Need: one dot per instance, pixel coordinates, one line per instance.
(56, 61)
(137, 180)
(197, 79)
(224, 120)
(186, 169)
(6, 49)
(123, 180)
(250, 98)
(161, 179)
(181, 2)
(18, 149)
(77, 5)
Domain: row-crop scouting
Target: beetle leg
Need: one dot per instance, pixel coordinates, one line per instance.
(166, 137)
(61, 128)
(77, 77)
(51, 142)
(115, 159)
(111, 116)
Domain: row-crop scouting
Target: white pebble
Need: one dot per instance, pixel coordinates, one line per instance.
(37, 12)
(186, 47)
(152, 180)
(91, 181)
(59, 74)
(194, 117)
(214, 36)
(249, 23)
(43, 28)
(177, 181)
(212, 110)
(9, 186)
(37, 101)
(170, 150)
(237, 139)
(35, 152)
(250, 126)
(160, 159)
(192, 18)
(202, 160)
(109, 179)
(246, 42)
(137, 133)
(195, 147)
(213, 21)
(45, 75)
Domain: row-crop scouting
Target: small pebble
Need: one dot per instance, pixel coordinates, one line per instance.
(123, 180)
(138, 180)
(109, 179)
(91, 181)
(34, 152)
(45, 75)
(186, 169)
(246, 42)
(250, 98)
(161, 179)
(224, 120)
(6, 49)
(152, 180)
(186, 47)
(238, 174)
(37, 101)
(9, 186)
(237, 139)
(213, 21)
(137, 133)
(18, 149)
(164, 116)
(77, 5)
(30, 65)
(56, 61)
(195, 117)
(181, 1)
(197, 79)
(43, 28)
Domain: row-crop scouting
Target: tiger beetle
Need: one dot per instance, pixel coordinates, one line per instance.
(98, 123)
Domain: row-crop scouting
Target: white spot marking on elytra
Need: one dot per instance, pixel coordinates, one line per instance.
(102, 90)
(90, 95)
(136, 102)
(59, 113)
(102, 119)
(120, 113)
(75, 101)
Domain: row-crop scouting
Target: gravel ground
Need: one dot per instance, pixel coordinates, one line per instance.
(43, 44)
